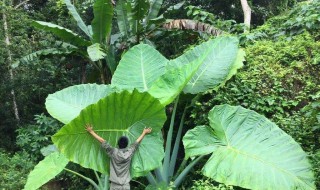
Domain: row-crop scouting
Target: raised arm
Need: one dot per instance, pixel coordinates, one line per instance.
(95, 135)
(144, 132)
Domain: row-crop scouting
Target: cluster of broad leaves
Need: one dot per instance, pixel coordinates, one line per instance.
(247, 148)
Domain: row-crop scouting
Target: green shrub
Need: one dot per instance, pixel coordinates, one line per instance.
(32, 138)
(305, 16)
(14, 170)
(208, 184)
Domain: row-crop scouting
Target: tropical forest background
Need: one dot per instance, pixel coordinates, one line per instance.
(280, 78)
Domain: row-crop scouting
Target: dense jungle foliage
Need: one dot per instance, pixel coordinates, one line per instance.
(279, 80)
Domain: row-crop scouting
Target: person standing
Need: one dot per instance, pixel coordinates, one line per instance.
(120, 158)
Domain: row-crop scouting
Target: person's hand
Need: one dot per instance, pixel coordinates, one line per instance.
(147, 130)
(89, 128)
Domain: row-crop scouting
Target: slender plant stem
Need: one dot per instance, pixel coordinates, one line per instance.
(84, 177)
(151, 179)
(176, 144)
(98, 178)
(181, 167)
(159, 174)
(139, 183)
(166, 161)
(184, 173)
(106, 182)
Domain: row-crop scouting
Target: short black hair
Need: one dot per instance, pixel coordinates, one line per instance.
(123, 142)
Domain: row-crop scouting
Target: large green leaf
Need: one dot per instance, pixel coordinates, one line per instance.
(125, 113)
(140, 9)
(218, 56)
(139, 68)
(45, 170)
(249, 151)
(66, 104)
(123, 10)
(155, 6)
(77, 17)
(171, 84)
(95, 52)
(63, 33)
(102, 22)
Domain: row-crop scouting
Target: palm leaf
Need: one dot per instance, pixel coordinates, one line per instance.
(65, 105)
(125, 113)
(249, 151)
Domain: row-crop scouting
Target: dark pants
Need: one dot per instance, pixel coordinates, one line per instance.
(114, 186)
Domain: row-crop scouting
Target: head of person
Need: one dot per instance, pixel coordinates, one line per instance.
(123, 142)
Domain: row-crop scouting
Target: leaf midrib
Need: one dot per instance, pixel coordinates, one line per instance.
(142, 73)
(206, 66)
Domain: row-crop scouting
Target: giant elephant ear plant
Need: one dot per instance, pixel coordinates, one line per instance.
(239, 139)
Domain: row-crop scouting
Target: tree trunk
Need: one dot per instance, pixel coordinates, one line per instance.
(247, 14)
(7, 43)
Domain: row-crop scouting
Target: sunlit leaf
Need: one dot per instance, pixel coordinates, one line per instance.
(218, 57)
(66, 104)
(126, 113)
(249, 151)
(95, 52)
(46, 170)
(139, 68)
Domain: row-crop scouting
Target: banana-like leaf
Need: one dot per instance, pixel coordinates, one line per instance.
(46, 170)
(219, 57)
(63, 33)
(249, 151)
(155, 6)
(77, 17)
(102, 22)
(123, 10)
(65, 105)
(110, 59)
(140, 9)
(95, 52)
(126, 113)
(139, 68)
